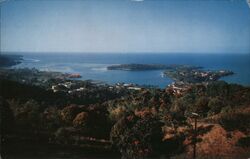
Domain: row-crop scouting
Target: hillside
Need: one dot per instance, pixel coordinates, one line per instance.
(141, 123)
(10, 60)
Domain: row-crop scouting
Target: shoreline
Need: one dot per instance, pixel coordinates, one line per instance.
(230, 79)
(178, 73)
(75, 107)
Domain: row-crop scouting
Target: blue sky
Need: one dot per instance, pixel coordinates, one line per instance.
(123, 26)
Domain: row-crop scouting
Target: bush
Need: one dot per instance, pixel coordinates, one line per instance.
(51, 120)
(226, 109)
(69, 113)
(201, 106)
(81, 120)
(244, 142)
(215, 105)
(116, 113)
(29, 116)
(138, 137)
(235, 121)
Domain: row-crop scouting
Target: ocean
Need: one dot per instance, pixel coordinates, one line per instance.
(93, 65)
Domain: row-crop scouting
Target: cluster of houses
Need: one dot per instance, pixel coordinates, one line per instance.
(178, 88)
(73, 87)
(68, 87)
(130, 86)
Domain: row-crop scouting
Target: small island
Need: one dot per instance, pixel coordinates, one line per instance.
(178, 73)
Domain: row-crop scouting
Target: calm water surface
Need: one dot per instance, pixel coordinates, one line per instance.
(93, 66)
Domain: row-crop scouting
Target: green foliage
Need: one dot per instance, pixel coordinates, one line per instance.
(28, 115)
(235, 121)
(11, 89)
(81, 120)
(138, 137)
(219, 88)
(116, 113)
(244, 142)
(69, 113)
(98, 122)
(135, 117)
(51, 119)
(215, 105)
(226, 109)
(201, 106)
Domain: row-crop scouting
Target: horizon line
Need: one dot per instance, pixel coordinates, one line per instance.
(112, 52)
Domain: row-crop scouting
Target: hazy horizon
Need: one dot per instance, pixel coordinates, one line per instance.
(60, 52)
(125, 26)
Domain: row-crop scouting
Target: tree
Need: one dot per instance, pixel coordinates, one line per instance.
(51, 119)
(138, 137)
(235, 121)
(28, 116)
(69, 113)
(81, 120)
(201, 106)
(215, 105)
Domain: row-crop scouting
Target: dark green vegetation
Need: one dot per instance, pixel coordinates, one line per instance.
(144, 67)
(141, 67)
(10, 60)
(136, 123)
(244, 142)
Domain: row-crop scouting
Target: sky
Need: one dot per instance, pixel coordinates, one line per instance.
(125, 26)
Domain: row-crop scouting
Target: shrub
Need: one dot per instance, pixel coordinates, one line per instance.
(116, 113)
(244, 142)
(28, 116)
(69, 113)
(235, 121)
(215, 105)
(81, 120)
(178, 106)
(226, 109)
(201, 106)
(92, 121)
(138, 137)
(51, 119)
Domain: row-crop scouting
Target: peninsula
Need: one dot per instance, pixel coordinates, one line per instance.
(147, 67)
(179, 73)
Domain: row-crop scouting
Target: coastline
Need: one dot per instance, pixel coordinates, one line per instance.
(178, 73)
(53, 98)
(91, 66)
